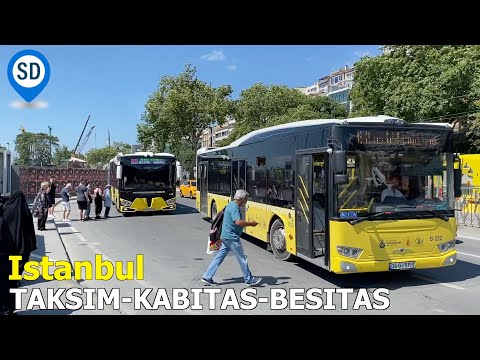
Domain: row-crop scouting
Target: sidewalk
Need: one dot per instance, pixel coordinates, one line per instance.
(468, 231)
(50, 244)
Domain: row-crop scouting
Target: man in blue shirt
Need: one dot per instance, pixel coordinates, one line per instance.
(232, 228)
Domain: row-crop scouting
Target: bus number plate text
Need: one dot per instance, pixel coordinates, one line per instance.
(402, 265)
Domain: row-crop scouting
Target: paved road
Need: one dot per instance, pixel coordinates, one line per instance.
(174, 247)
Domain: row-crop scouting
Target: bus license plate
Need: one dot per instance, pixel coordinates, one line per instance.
(149, 209)
(402, 265)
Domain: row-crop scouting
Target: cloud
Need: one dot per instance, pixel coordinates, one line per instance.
(361, 53)
(308, 59)
(29, 105)
(214, 55)
(232, 67)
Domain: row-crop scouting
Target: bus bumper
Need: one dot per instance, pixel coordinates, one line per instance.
(141, 205)
(344, 265)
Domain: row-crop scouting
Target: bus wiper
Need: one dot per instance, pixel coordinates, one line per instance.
(370, 217)
(441, 216)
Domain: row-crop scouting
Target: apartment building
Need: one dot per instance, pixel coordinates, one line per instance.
(336, 86)
(214, 134)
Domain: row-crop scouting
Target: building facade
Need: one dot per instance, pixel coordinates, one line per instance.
(5, 171)
(336, 86)
(214, 134)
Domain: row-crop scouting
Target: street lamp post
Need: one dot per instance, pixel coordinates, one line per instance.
(50, 134)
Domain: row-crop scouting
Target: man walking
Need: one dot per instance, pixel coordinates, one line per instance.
(81, 199)
(232, 228)
(65, 193)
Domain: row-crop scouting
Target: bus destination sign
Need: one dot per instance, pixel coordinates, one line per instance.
(147, 161)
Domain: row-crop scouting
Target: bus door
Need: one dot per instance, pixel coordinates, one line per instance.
(202, 183)
(239, 179)
(311, 202)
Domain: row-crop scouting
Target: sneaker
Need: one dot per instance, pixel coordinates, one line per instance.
(254, 281)
(208, 281)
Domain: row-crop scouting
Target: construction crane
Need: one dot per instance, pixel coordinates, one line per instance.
(85, 139)
(81, 135)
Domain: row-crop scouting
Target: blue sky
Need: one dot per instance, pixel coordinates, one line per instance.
(113, 83)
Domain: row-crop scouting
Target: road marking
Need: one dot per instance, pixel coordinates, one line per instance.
(438, 282)
(468, 238)
(439, 310)
(458, 252)
(78, 233)
(143, 283)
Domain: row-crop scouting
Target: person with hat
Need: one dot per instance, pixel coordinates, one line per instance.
(107, 202)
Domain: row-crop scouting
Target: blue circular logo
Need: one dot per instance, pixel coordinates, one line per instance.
(28, 72)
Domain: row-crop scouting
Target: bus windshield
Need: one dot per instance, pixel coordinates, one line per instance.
(397, 173)
(147, 176)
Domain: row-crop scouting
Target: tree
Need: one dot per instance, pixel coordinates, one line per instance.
(184, 153)
(61, 155)
(261, 106)
(180, 109)
(419, 83)
(34, 148)
(100, 156)
(122, 147)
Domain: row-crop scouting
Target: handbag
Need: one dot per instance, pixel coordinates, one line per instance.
(36, 213)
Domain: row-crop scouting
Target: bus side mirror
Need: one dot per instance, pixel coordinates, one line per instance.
(339, 166)
(119, 172)
(457, 182)
(339, 162)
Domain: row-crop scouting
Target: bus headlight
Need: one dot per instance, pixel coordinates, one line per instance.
(125, 202)
(170, 202)
(349, 251)
(446, 246)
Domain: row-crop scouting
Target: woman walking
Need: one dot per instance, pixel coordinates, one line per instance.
(19, 221)
(98, 201)
(41, 205)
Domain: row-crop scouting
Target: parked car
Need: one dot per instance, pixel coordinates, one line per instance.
(189, 189)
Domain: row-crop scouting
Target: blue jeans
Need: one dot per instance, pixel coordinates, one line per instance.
(237, 248)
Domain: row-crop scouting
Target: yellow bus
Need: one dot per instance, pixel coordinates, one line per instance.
(143, 181)
(320, 191)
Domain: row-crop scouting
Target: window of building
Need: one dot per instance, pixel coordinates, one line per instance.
(336, 79)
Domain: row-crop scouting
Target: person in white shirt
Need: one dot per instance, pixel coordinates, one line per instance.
(392, 188)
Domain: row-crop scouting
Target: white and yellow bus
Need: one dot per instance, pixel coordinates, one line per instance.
(316, 191)
(143, 181)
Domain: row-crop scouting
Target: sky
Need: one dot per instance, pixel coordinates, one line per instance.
(113, 83)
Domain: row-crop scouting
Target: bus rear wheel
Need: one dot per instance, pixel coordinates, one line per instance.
(278, 241)
(213, 211)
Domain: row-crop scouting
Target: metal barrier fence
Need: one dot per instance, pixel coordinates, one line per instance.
(467, 207)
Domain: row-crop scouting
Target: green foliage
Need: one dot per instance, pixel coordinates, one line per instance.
(122, 147)
(185, 154)
(420, 83)
(101, 156)
(261, 106)
(34, 148)
(180, 109)
(61, 155)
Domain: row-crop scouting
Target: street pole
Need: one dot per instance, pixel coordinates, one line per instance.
(50, 134)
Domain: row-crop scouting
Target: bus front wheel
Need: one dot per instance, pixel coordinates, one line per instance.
(278, 241)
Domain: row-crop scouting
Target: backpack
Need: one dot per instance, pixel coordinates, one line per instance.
(216, 228)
